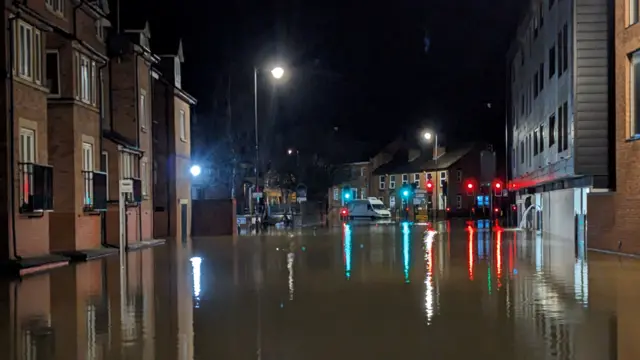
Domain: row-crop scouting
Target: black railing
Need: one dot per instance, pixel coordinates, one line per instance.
(136, 197)
(94, 196)
(36, 187)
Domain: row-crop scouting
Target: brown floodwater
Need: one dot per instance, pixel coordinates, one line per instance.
(351, 292)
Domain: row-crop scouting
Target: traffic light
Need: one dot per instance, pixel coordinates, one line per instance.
(469, 188)
(406, 191)
(429, 187)
(497, 188)
(346, 194)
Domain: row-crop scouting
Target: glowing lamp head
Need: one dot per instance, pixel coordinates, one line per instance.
(347, 195)
(469, 186)
(405, 193)
(195, 170)
(496, 210)
(429, 185)
(277, 72)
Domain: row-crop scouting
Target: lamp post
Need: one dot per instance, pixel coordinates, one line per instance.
(277, 73)
(428, 136)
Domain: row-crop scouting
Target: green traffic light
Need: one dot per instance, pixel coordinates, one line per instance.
(405, 193)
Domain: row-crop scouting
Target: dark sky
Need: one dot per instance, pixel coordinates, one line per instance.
(360, 66)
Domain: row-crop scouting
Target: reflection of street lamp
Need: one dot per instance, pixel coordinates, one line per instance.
(195, 170)
(277, 73)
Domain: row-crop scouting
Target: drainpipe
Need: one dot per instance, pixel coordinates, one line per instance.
(12, 166)
(103, 218)
(152, 157)
(136, 91)
(170, 117)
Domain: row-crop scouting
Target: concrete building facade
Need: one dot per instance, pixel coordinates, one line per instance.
(558, 116)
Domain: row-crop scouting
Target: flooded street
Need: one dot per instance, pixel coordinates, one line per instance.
(351, 292)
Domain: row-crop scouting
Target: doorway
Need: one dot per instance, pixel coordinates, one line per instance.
(183, 222)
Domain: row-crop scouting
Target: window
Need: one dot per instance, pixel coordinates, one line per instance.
(541, 14)
(552, 130)
(336, 194)
(522, 105)
(560, 129)
(362, 172)
(99, 30)
(552, 61)
(535, 143)
(86, 74)
(521, 152)
(405, 179)
(443, 178)
(459, 175)
(535, 85)
(383, 181)
(27, 145)
(634, 14)
(565, 115)
(143, 110)
(565, 48)
(183, 126)
(416, 179)
(634, 78)
(363, 193)
(56, 6)
(128, 166)
(541, 78)
(87, 165)
(53, 72)
(29, 52)
(104, 167)
(541, 139)
(560, 52)
(392, 182)
(459, 201)
(144, 177)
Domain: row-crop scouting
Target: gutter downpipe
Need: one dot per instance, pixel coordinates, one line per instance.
(12, 165)
(137, 107)
(170, 117)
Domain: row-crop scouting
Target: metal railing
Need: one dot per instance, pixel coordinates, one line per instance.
(94, 195)
(36, 187)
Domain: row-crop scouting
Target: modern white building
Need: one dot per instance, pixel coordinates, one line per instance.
(558, 126)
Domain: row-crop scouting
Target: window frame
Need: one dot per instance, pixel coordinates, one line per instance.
(392, 181)
(416, 179)
(459, 201)
(143, 111)
(382, 182)
(183, 125)
(405, 179)
(634, 95)
(459, 175)
(25, 50)
(57, 55)
(55, 6)
(33, 148)
(633, 11)
(144, 177)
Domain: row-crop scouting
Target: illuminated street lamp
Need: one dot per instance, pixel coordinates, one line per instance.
(277, 73)
(427, 135)
(195, 170)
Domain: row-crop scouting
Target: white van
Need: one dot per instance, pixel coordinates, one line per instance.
(371, 208)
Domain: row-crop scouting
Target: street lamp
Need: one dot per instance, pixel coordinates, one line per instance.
(277, 73)
(195, 170)
(289, 152)
(428, 136)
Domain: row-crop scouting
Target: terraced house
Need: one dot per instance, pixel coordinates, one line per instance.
(79, 119)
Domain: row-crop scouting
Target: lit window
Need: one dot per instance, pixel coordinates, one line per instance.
(634, 99)
(183, 125)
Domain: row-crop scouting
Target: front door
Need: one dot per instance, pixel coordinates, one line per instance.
(183, 222)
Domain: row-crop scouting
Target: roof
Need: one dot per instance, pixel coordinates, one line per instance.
(425, 162)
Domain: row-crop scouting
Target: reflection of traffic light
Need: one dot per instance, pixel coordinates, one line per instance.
(429, 187)
(469, 188)
(497, 188)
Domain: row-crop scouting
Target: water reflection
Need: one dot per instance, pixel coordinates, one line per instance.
(541, 298)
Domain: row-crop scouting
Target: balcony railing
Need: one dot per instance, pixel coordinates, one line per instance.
(136, 197)
(94, 191)
(36, 187)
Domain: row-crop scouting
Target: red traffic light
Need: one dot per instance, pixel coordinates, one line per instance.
(496, 210)
(344, 212)
(429, 185)
(498, 185)
(514, 208)
(469, 186)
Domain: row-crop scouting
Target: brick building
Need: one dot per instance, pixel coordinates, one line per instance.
(128, 143)
(613, 217)
(353, 176)
(55, 50)
(171, 145)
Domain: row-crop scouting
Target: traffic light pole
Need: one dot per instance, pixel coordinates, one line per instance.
(437, 202)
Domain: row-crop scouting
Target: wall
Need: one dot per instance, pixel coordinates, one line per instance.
(214, 217)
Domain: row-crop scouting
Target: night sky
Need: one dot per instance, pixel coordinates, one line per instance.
(373, 70)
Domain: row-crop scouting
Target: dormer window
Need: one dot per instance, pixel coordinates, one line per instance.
(99, 30)
(178, 74)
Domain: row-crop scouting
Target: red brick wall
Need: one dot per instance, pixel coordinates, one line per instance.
(214, 217)
(613, 219)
